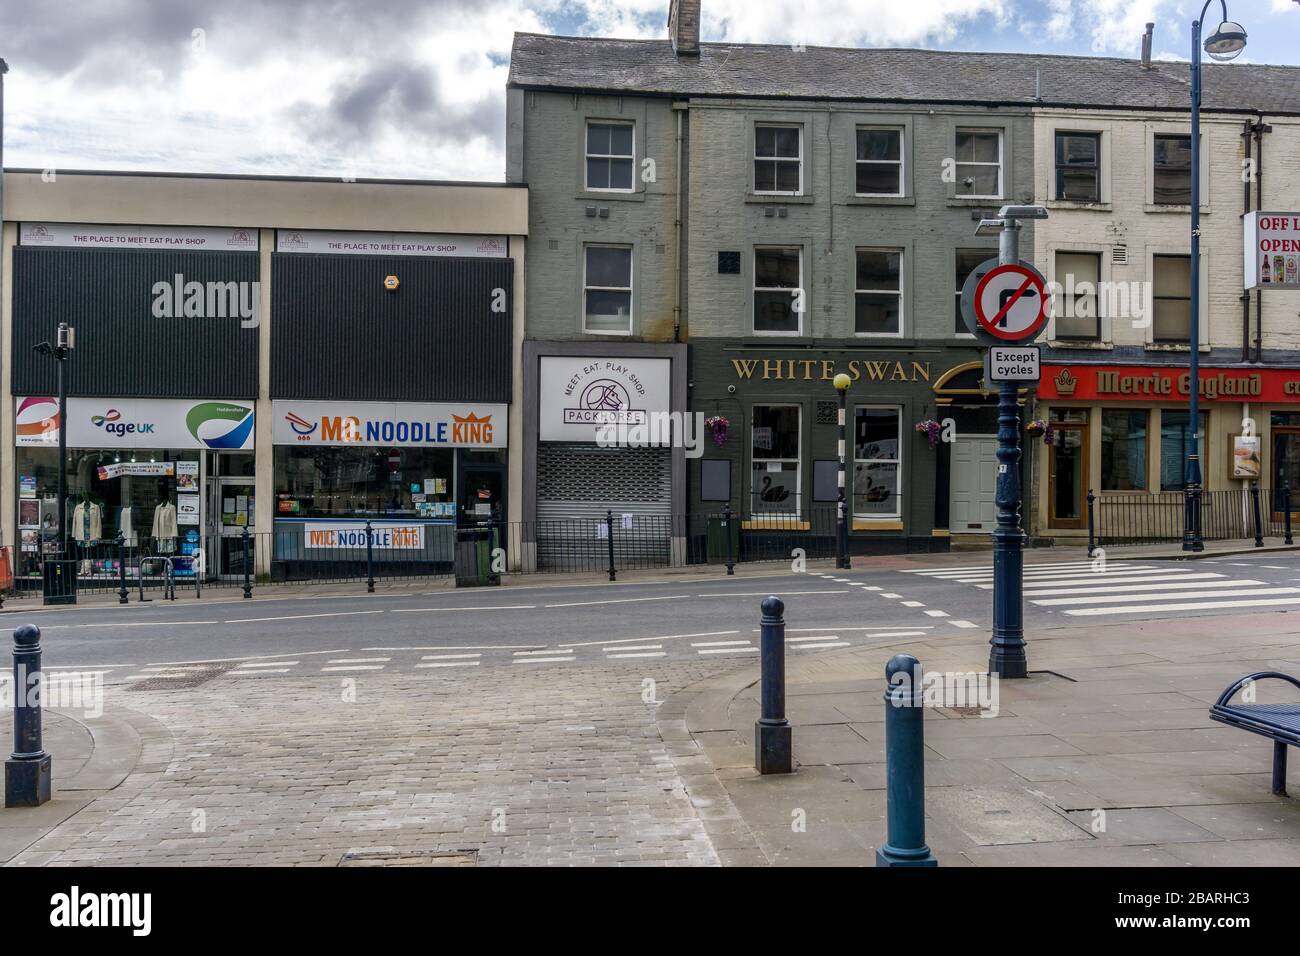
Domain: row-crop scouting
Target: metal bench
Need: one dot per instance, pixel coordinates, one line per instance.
(1278, 722)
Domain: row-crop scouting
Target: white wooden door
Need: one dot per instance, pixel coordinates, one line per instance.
(972, 484)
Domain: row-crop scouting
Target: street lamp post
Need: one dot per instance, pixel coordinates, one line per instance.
(841, 383)
(61, 350)
(1225, 43)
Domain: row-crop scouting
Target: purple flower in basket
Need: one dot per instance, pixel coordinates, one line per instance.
(718, 426)
(931, 430)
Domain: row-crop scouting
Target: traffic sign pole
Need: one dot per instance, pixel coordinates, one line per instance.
(1007, 646)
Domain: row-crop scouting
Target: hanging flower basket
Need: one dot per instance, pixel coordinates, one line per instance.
(717, 425)
(1039, 427)
(931, 430)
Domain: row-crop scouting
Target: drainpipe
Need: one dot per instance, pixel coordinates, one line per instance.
(1245, 208)
(680, 109)
(1260, 129)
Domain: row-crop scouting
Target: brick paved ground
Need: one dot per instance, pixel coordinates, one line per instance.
(525, 766)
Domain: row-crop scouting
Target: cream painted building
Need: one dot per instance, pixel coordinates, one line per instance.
(392, 307)
(1116, 246)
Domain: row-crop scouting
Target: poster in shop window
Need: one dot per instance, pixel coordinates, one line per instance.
(1245, 456)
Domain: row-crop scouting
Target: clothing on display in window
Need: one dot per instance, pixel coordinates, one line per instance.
(87, 522)
(164, 527)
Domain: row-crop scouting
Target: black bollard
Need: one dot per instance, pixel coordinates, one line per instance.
(609, 536)
(27, 771)
(248, 584)
(773, 746)
(1092, 533)
(370, 560)
(905, 766)
(121, 569)
(1286, 511)
(726, 531)
(1259, 527)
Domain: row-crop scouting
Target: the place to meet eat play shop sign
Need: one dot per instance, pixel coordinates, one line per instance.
(1272, 250)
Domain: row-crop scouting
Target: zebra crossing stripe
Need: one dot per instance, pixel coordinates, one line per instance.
(1121, 598)
(1099, 579)
(1139, 589)
(1189, 606)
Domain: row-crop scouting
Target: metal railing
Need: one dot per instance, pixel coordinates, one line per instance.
(1225, 515)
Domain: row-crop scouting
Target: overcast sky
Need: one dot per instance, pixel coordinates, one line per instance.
(416, 88)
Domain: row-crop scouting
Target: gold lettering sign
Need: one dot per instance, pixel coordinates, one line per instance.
(807, 370)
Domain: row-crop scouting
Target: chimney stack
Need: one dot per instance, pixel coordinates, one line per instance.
(684, 26)
(1146, 47)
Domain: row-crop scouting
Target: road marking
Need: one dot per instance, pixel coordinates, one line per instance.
(635, 647)
(541, 660)
(891, 594)
(297, 617)
(354, 667)
(819, 637)
(241, 672)
(649, 654)
(1193, 606)
(449, 664)
(933, 613)
(913, 604)
(935, 569)
(541, 653)
(257, 664)
(718, 643)
(1140, 588)
(502, 607)
(728, 650)
(809, 647)
(958, 623)
(830, 627)
(1077, 572)
(665, 597)
(1121, 598)
(768, 593)
(633, 640)
(870, 587)
(73, 627)
(1117, 579)
(456, 647)
(360, 660)
(448, 657)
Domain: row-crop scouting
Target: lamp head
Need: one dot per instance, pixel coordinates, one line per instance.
(841, 382)
(1227, 40)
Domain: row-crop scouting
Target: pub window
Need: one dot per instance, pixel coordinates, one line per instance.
(1078, 172)
(774, 455)
(1172, 299)
(607, 290)
(879, 168)
(979, 163)
(1075, 307)
(778, 289)
(778, 160)
(610, 157)
(967, 261)
(1171, 182)
(1175, 441)
(1123, 449)
(876, 473)
(879, 292)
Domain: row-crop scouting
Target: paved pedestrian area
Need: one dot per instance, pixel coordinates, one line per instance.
(1104, 756)
(496, 767)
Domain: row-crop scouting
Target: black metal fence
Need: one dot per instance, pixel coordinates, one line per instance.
(474, 555)
(1160, 518)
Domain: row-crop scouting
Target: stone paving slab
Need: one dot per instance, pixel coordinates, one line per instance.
(1094, 764)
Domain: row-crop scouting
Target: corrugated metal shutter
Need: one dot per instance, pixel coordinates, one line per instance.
(123, 350)
(338, 334)
(577, 485)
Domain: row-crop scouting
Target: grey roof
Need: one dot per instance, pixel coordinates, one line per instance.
(928, 76)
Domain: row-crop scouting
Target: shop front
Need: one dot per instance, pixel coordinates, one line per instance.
(918, 431)
(1124, 433)
(413, 473)
(142, 476)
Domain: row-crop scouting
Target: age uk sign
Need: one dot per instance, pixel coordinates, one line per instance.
(1272, 247)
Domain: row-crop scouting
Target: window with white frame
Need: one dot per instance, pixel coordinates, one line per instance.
(774, 457)
(1075, 308)
(1078, 166)
(1171, 175)
(1172, 299)
(979, 163)
(877, 461)
(968, 261)
(878, 306)
(879, 167)
(778, 289)
(610, 157)
(607, 289)
(778, 159)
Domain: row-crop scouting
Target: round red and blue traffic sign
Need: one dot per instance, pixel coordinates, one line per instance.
(1010, 302)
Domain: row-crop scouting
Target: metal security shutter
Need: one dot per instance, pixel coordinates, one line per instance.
(578, 484)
